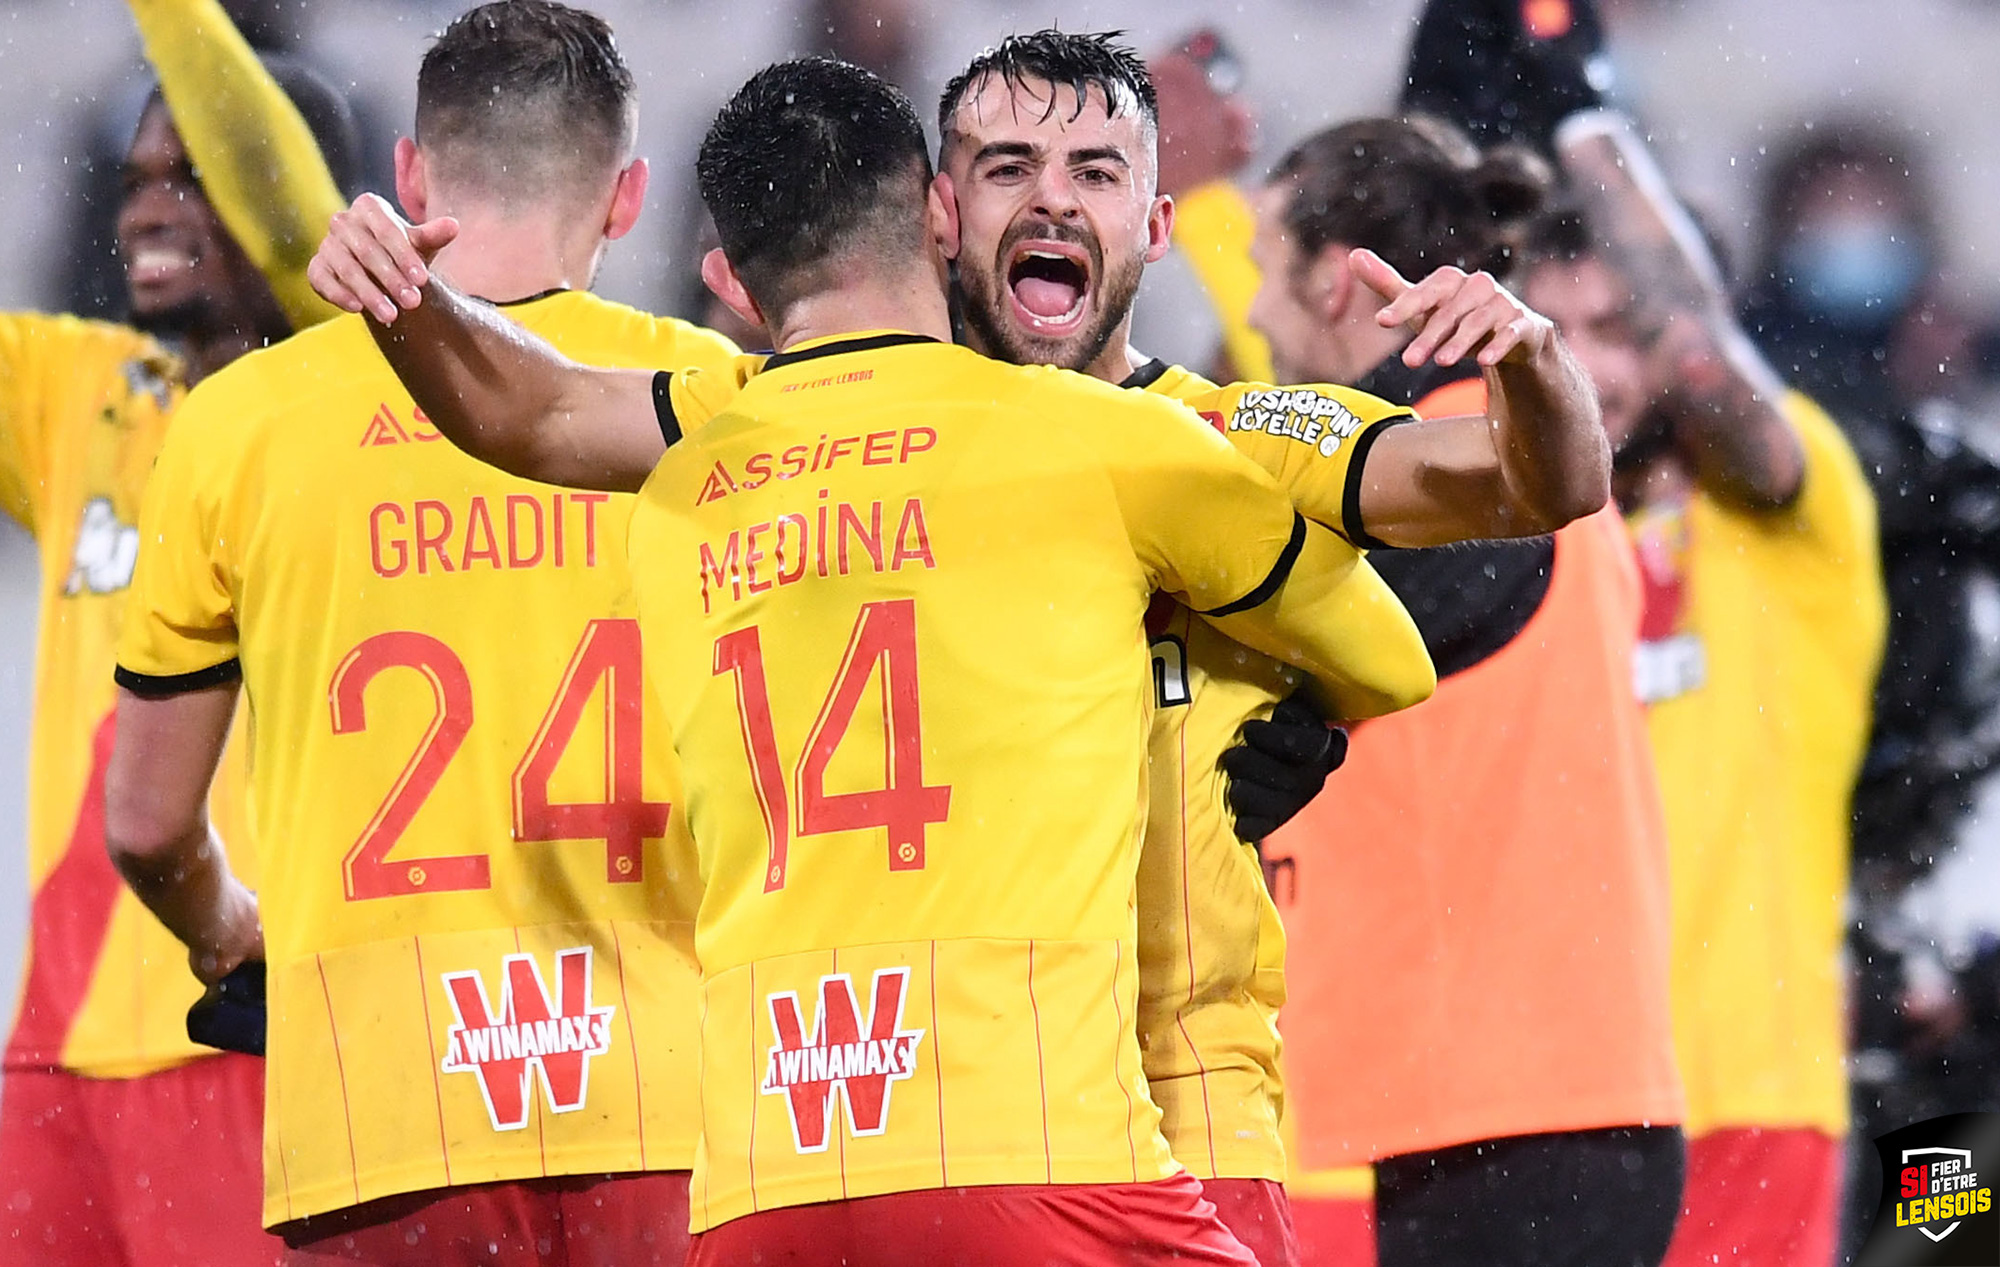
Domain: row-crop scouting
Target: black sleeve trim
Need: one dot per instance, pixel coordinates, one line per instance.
(1275, 580)
(1350, 497)
(663, 407)
(148, 686)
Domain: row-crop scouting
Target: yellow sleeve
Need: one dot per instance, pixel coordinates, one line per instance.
(700, 392)
(1335, 618)
(1840, 570)
(1217, 531)
(1312, 440)
(251, 148)
(30, 348)
(180, 616)
(1213, 227)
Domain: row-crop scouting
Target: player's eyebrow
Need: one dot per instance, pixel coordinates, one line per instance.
(1100, 154)
(1004, 149)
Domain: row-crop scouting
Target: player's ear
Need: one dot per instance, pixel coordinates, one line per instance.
(1330, 283)
(1159, 228)
(628, 199)
(412, 181)
(719, 275)
(941, 207)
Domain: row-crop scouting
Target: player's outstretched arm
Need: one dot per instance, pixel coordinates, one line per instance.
(157, 830)
(1213, 528)
(1330, 615)
(1725, 401)
(495, 390)
(254, 154)
(1537, 459)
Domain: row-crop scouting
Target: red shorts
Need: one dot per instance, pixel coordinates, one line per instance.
(1258, 1213)
(1077, 1225)
(1759, 1198)
(165, 1168)
(626, 1220)
(1335, 1231)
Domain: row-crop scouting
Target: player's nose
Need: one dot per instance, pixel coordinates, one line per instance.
(1056, 194)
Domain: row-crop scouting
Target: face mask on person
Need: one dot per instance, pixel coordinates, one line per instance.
(1854, 272)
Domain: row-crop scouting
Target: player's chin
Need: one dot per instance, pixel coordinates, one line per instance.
(167, 309)
(1068, 345)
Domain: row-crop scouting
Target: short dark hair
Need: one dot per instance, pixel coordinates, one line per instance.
(1415, 191)
(811, 161)
(1080, 59)
(524, 94)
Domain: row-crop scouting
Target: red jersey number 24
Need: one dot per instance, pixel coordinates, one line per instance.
(884, 639)
(608, 652)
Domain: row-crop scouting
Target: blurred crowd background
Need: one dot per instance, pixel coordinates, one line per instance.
(1839, 151)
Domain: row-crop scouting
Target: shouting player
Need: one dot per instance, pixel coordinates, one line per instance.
(916, 935)
(480, 976)
(120, 1140)
(1048, 148)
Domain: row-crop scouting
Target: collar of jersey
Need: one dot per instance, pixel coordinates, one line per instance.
(836, 344)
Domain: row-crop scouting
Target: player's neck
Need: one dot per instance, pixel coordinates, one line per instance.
(1358, 346)
(913, 303)
(202, 355)
(504, 258)
(1117, 361)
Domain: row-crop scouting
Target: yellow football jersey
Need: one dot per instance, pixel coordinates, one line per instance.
(475, 862)
(1211, 946)
(1762, 636)
(83, 406)
(893, 599)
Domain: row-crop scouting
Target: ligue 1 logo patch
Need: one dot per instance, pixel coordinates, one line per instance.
(1937, 1195)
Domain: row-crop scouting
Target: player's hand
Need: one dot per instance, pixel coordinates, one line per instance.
(1507, 70)
(1207, 131)
(1280, 766)
(374, 261)
(1456, 314)
(235, 937)
(232, 1015)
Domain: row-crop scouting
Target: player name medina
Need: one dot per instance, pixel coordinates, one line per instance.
(520, 530)
(836, 539)
(1298, 413)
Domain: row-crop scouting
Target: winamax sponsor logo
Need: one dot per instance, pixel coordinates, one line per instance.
(1937, 1206)
(530, 1034)
(840, 1059)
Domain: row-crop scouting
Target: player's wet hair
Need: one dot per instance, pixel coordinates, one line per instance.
(1078, 60)
(521, 97)
(1559, 234)
(812, 163)
(1415, 191)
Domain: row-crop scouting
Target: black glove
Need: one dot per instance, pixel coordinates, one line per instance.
(231, 1014)
(1507, 70)
(1280, 765)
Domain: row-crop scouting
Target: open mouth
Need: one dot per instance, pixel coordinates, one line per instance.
(1050, 282)
(151, 265)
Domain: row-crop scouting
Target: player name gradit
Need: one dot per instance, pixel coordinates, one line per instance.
(520, 530)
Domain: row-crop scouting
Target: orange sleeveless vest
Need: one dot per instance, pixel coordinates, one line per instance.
(1476, 906)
